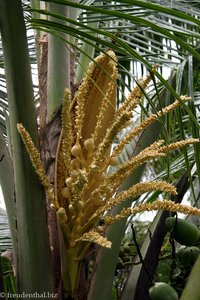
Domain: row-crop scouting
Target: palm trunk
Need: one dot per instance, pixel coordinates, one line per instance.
(33, 257)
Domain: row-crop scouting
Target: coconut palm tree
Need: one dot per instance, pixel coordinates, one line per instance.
(61, 231)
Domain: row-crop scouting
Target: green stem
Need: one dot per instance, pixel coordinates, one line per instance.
(70, 265)
(33, 261)
(84, 60)
(36, 5)
(192, 288)
(58, 64)
(8, 188)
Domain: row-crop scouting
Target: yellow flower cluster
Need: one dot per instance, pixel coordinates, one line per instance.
(84, 191)
(35, 158)
(94, 236)
(156, 205)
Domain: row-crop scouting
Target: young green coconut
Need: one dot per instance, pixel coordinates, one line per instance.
(162, 291)
(183, 231)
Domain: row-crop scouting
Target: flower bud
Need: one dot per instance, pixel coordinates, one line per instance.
(71, 209)
(66, 193)
(76, 150)
(74, 175)
(89, 145)
(113, 161)
(61, 213)
(69, 182)
(94, 169)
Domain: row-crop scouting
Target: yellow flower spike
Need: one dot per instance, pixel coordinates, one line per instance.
(111, 90)
(63, 155)
(156, 145)
(136, 190)
(110, 136)
(153, 151)
(95, 237)
(130, 136)
(136, 94)
(66, 134)
(178, 145)
(116, 178)
(156, 205)
(185, 98)
(35, 158)
(60, 173)
(121, 119)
